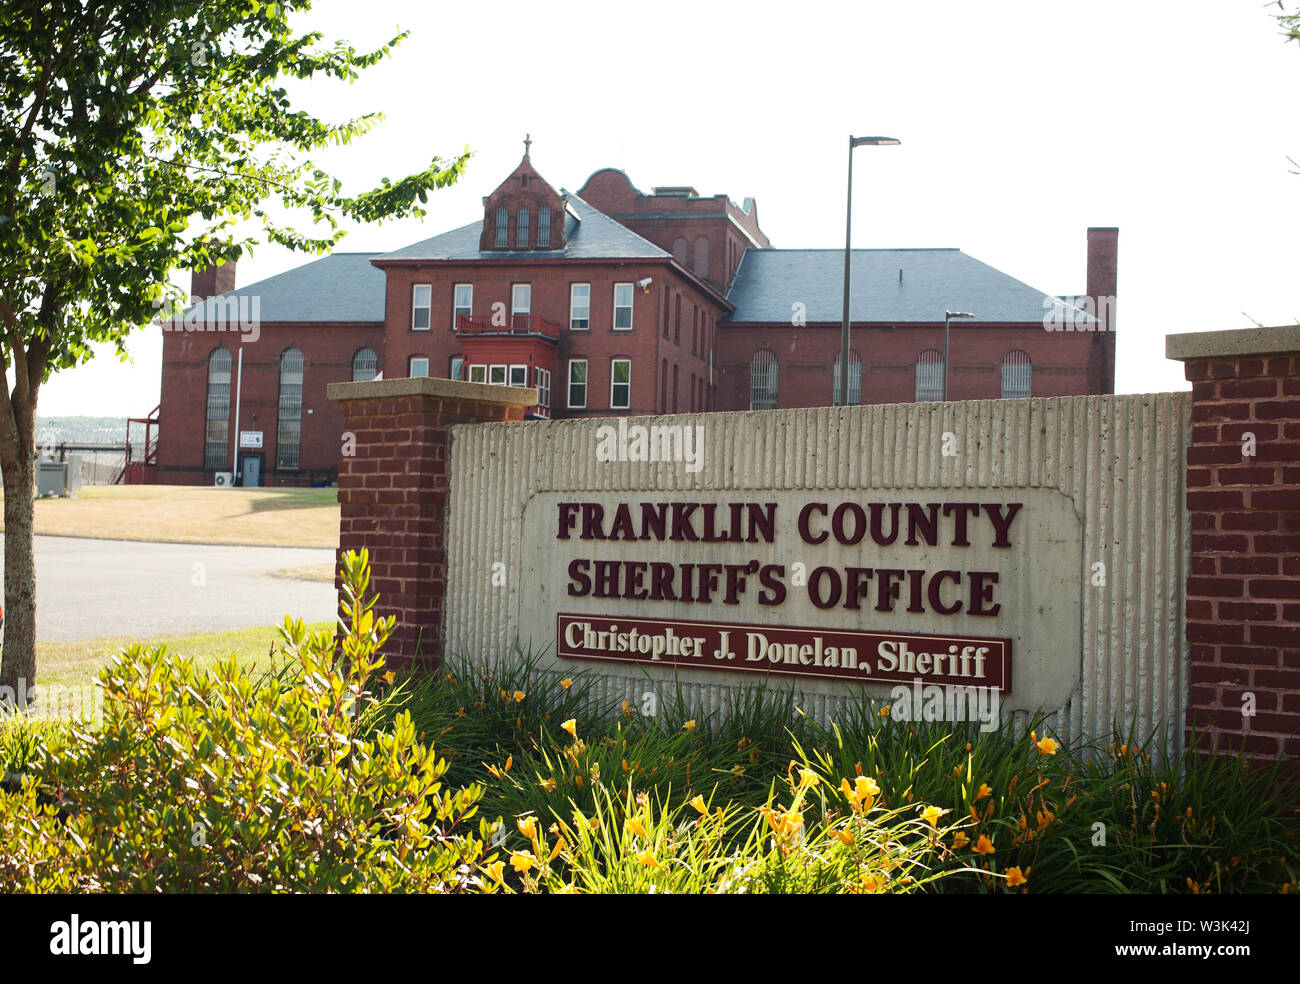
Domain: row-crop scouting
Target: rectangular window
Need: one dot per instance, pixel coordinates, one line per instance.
(542, 380)
(478, 374)
(622, 307)
(457, 367)
(289, 434)
(544, 226)
(462, 302)
(579, 307)
(620, 384)
(577, 384)
(521, 299)
(497, 375)
(421, 301)
(216, 443)
(518, 375)
(419, 366)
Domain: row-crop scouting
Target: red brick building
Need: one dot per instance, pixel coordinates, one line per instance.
(609, 301)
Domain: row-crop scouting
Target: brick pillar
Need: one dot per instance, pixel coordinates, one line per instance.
(1243, 588)
(393, 491)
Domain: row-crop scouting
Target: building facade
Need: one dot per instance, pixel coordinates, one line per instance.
(609, 301)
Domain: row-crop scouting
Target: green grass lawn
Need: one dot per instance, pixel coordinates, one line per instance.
(193, 514)
(75, 664)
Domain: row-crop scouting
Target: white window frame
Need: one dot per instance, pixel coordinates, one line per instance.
(457, 308)
(413, 362)
(514, 299)
(477, 373)
(458, 367)
(631, 294)
(426, 307)
(613, 372)
(573, 307)
(542, 382)
(521, 371)
(585, 384)
(492, 373)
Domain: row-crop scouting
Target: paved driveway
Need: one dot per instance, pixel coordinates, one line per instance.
(90, 588)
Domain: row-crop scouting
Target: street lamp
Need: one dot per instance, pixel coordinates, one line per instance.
(947, 319)
(843, 396)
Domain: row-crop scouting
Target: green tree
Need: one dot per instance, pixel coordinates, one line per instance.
(139, 138)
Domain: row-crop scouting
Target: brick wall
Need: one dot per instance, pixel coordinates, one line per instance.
(1243, 496)
(393, 492)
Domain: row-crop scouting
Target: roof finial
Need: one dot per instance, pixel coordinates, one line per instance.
(528, 142)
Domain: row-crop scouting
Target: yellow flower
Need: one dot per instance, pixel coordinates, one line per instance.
(846, 837)
(647, 858)
(689, 726)
(571, 726)
(884, 711)
(548, 784)
(1047, 746)
(984, 790)
(862, 793)
(528, 827)
(932, 815)
(523, 862)
(870, 883)
(699, 805)
(494, 870)
(627, 708)
(1015, 877)
(566, 683)
(560, 845)
(389, 677)
(984, 845)
(569, 889)
(510, 760)
(959, 840)
(807, 777)
(635, 826)
(519, 695)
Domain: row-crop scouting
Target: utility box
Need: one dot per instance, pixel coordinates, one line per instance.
(52, 478)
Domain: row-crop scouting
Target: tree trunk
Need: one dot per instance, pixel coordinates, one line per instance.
(18, 657)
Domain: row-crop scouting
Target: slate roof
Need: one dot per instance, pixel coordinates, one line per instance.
(770, 281)
(341, 287)
(592, 235)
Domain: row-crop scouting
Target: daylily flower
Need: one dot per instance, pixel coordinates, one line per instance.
(647, 858)
(959, 840)
(528, 827)
(932, 815)
(519, 696)
(566, 683)
(635, 826)
(984, 790)
(571, 726)
(846, 837)
(548, 784)
(1046, 746)
(984, 845)
(523, 862)
(699, 805)
(495, 869)
(689, 726)
(1015, 877)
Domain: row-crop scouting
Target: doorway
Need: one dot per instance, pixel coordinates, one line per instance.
(250, 470)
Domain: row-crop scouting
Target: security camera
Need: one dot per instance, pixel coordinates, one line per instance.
(645, 284)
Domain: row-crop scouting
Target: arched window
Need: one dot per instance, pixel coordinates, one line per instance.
(929, 376)
(288, 436)
(503, 227)
(1015, 375)
(216, 443)
(521, 227)
(365, 365)
(702, 256)
(681, 251)
(855, 380)
(544, 226)
(762, 380)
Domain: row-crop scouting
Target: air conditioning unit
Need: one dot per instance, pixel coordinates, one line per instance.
(224, 480)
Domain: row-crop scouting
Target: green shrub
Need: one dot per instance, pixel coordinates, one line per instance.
(217, 782)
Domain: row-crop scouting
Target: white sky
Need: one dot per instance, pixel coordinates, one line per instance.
(1022, 123)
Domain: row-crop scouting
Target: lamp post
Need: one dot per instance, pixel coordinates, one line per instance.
(947, 320)
(843, 396)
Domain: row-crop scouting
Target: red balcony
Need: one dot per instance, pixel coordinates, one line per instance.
(518, 325)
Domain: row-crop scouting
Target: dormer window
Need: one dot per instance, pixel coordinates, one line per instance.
(521, 227)
(544, 227)
(503, 227)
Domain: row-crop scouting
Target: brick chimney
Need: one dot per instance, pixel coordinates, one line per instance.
(212, 281)
(1103, 253)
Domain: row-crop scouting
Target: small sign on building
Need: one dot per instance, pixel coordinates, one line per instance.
(250, 439)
